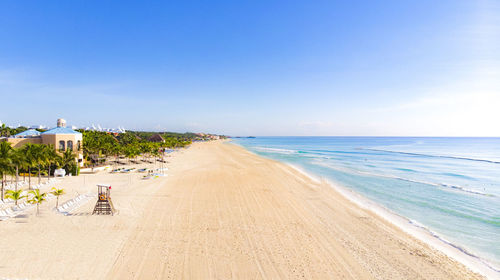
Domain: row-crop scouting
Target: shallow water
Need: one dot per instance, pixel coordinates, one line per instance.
(451, 186)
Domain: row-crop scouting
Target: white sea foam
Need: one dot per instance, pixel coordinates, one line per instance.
(411, 153)
(303, 172)
(421, 232)
(411, 227)
(276, 150)
(445, 185)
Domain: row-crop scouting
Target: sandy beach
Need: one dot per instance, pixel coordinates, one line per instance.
(222, 213)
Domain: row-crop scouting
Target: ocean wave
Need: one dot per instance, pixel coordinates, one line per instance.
(337, 168)
(461, 249)
(444, 185)
(458, 175)
(314, 154)
(292, 152)
(451, 186)
(276, 150)
(433, 156)
(337, 152)
(465, 189)
(405, 169)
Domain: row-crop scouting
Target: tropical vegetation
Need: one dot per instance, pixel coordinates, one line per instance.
(15, 195)
(37, 198)
(98, 148)
(31, 158)
(57, 192)
(6, 131)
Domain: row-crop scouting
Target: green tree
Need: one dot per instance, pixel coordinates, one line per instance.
(57, 192)
(128, 138)
(30, 151)
(18, 161)
(116, 150)
(131, 144)
(37, 198)
(5, 162)
(131, 151)
(67, 161)
(52, 158)
(40, 158)
(15, 195)
(4, 131)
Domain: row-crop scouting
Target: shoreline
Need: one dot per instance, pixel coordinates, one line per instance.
(415, 229)
(409, 226)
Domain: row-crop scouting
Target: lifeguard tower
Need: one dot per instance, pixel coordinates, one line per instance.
(104, 205)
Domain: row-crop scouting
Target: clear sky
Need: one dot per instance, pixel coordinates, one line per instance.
(256, 67)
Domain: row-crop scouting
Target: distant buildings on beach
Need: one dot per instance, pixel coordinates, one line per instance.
(110, 130)
(93, 127)
(62, 138)
(205, 136)
(157, 138)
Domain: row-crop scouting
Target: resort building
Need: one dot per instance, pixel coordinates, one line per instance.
(157, 138)
(61, 138)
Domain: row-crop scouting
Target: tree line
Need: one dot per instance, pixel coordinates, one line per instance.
(6, 131)
(99, 146)
(38, 158)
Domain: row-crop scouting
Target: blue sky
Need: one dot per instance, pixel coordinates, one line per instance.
(254, 67)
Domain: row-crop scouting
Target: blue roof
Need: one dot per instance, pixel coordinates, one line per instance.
(28, 133)
(61, 130)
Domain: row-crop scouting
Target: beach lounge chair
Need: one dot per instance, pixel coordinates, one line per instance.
(9, 211)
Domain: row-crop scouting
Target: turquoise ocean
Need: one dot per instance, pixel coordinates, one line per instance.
(449, 186)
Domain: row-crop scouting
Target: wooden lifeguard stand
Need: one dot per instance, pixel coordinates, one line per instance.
(104, 205)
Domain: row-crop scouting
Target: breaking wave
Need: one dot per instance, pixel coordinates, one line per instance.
(434, 156)
(444, 185)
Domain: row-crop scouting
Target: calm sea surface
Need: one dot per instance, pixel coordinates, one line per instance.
(451, 186)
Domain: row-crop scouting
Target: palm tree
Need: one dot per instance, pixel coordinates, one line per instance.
(116, 151)
(15, 195)
(57, 193)
(40, 158)
(131, 152)
(37, 198)
(156, 153)
(4, 130)
(52, 157)
(67, 160)
(29, 152)
(5, 161)
(19, 161)
(144, 149)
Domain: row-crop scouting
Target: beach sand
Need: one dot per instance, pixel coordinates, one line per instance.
(222, 213)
